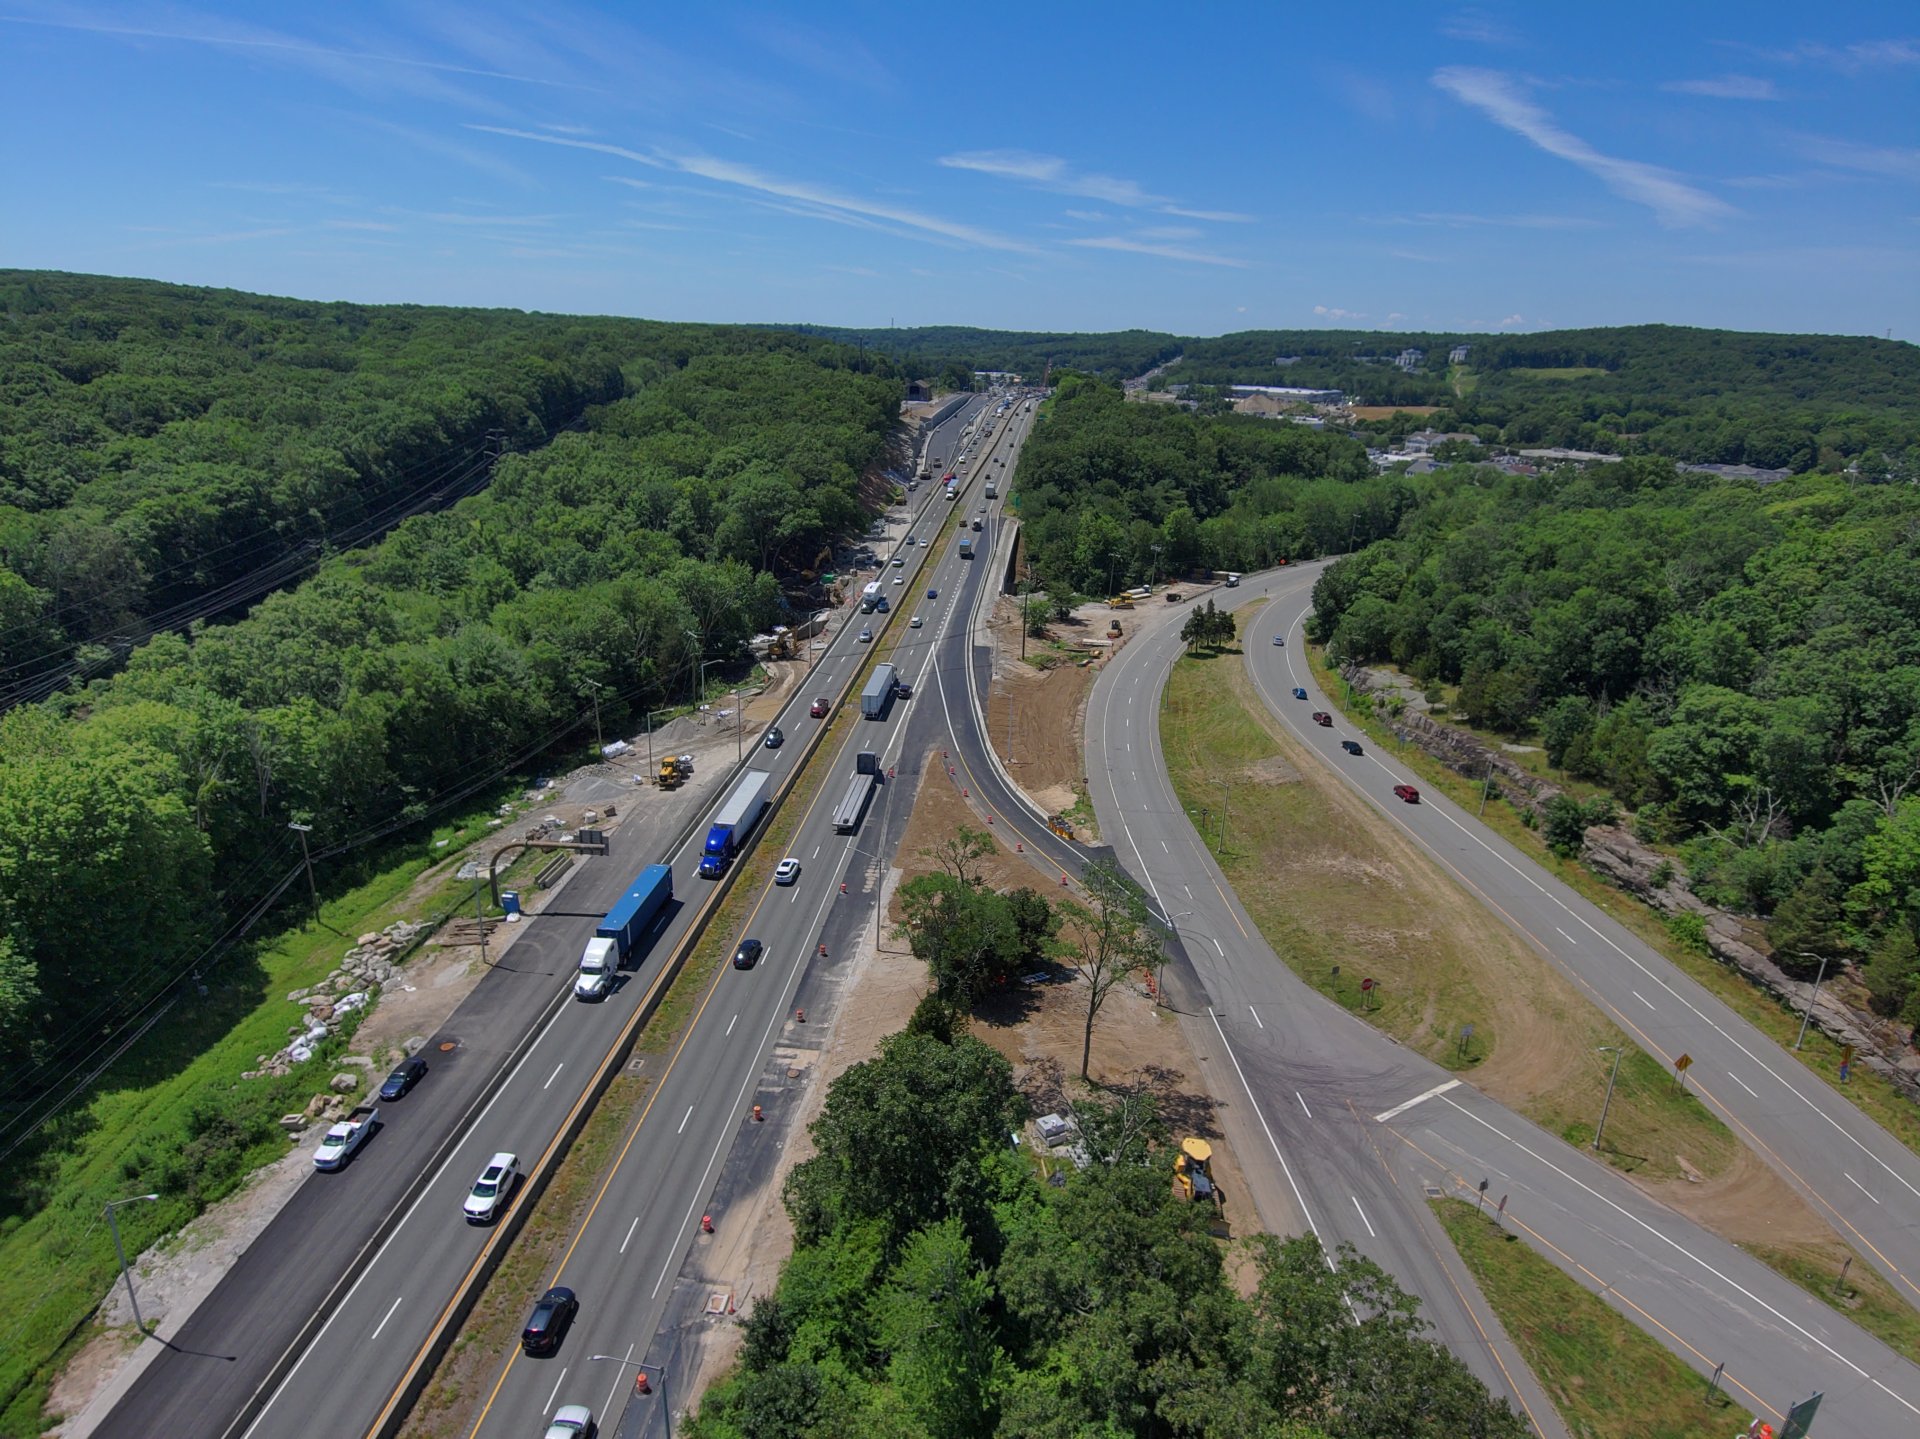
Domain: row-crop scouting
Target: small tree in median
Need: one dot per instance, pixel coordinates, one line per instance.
(1106, 940)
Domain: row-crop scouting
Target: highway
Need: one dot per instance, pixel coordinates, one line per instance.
(316, 1325)
(626, 1258)
(1366, 1130)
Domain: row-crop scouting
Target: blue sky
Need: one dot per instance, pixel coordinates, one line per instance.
(1194, 168)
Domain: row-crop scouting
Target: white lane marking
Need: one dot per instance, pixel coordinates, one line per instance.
(1641, 997)
(385, 1317)
(629, 1239)
(730, 1024)
(1743, 1084)
(1303, 1103)
(619, 1378)
(1400, 1109)
(683, 1120)
(1564, 935)
(1189, 891)
(1858, 1185)
(816, 853)
(1285, 1168)
(1163, 845)
(555, 1393)
(1256, 1015)
(555, 1075)
(1363, 1216)
(1676, 1245)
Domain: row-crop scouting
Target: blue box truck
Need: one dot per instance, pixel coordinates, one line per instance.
(734, 823)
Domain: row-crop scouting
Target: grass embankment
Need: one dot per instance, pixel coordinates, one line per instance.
(1604, 1375)
(1867, 1091)
(1341, 898)
(172, 1116)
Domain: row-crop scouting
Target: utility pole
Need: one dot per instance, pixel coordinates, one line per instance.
(1486, 783)
(593, 688)
(313, 890)
(1226, 801)
(1112, 559)
(1601, 1128)
(739, 729)
(1153, 577)
(126, 1273)
(480, 922)
(1804, 1018)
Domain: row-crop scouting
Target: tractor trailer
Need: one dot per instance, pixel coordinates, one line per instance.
(878, 695)
(734, 823)
(617, 936)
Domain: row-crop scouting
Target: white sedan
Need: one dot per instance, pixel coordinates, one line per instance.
(788, 871)
(914, 623)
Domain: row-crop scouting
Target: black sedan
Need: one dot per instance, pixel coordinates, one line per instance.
(410, 1073)
(550, 1320)
(748, 954)
(774, 738)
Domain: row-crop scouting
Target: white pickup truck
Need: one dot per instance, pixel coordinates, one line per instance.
(344, 1138)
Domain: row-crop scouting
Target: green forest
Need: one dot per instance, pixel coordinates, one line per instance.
(1739, 666)
(403, 678)
(1112, 493)
(939, 1287)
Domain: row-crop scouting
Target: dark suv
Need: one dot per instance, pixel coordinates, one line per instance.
(550, 1320)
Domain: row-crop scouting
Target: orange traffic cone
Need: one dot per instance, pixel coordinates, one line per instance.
(757, 1115)
(706, 1224)
(799, 1016)
(640, 1385)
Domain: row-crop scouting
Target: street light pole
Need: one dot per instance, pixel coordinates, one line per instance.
(1804, 1018)
(1153, 577)
(643, 1366)
(593, 688)
(1617, 1051)
(1226, 802)
(126, 1273)
(739, 729)
(649, 728)
(313, 891)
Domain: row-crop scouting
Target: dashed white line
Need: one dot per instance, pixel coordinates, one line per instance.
(1564, 935)
(556, 1391)
(1363, 1216)
(683, 1120)
(1303, 1103)
(730, 1024)
(555, 1075)
(385, 1317)
(1743, 1084)
(1859, 1186)
(1256, 1015)
(629, 1239)
(1641, 997)
(1400, 1109)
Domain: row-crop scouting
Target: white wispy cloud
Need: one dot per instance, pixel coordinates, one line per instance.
(1092, 217)
(459, 217)
(1050, 172)
(1460, 220)
(1673, 201)
(1898, 161)
(1851, 59)
(1726, 87)
(1334, 312)
(821, 203)
(1219, 217)
(1152, 247)
(1477, 27)
(358, 225)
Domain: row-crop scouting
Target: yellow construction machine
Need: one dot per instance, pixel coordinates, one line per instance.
(675, 770)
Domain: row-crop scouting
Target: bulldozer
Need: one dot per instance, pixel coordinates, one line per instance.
(675, 770)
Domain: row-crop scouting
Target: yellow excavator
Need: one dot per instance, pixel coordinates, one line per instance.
(1193, 1173)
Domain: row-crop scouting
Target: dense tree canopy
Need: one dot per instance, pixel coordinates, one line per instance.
(402, 677)
(938, 1288)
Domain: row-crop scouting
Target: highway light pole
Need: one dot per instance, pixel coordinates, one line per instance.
(1153, 577)
(705, 665)
(313, 890)
(1616, 1050)
(1811, 997)
(649, 729)
(643, 1366)
(126, 1273)
(593, 688)
(739, 729)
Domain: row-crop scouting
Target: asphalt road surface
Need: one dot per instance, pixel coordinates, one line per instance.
(315, 1325)
(1366, 1130)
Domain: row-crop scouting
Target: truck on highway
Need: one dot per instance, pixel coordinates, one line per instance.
(966, 547)
(733, 823)
(342, 1140)
(616, 937)
(993, 490)
(878, 695)
(869, 597)
(853, 804)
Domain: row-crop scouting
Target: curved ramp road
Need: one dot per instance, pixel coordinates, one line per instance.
(1365, 1128)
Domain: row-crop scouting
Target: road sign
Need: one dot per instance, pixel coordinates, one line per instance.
(1365, 985)
(1800, 1418)
(1683, 1063)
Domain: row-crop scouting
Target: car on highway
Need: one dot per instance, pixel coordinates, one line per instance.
(774, 738)
(748, 954)
(933, 594)
(1299, 693)
(787, 871)
(1407, 792)
(552, 1316)
(902, 690)
(1321, 717)
(866, 637)
(571, 1421)
(914, 623)
(899, 579)
(492, 1189)
(818, 709)
(409, 1073)
(897, 562)
(1279, 640)
(1351, 746)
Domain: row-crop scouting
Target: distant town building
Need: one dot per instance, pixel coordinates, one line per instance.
(996, 377)
(1410, 359)
(1290, 392)
(1740, 472)
(1458, 354)
(1422, 442)
(1570, 457)
(1282, 361)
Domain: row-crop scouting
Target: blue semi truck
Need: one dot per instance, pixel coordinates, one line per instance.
(734, 823)
(616, 937)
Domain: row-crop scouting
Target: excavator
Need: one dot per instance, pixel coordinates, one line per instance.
(1193, 1173)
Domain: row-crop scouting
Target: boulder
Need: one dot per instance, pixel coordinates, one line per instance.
(293, 1123)
(414, 1043)
(345, 1082)
(368, 938)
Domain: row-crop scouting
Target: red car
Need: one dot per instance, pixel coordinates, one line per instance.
(1407, 792)
(818, 709)
(1321, 717)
